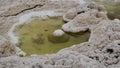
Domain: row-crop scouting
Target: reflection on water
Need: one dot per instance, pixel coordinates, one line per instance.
(34, 36)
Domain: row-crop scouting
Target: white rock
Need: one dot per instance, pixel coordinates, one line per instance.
(88, 16)
(58, 32)
(19, 52)
(22, 54)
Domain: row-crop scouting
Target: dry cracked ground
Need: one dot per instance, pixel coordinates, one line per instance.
(102, 50)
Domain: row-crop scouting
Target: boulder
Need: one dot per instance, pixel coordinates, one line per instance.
(90, 15)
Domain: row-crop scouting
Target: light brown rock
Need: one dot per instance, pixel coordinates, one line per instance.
(6, 48)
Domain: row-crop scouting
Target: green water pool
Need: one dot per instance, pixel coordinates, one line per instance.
(33, 36)
(112, 8)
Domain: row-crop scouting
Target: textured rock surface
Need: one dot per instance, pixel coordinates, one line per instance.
(90, 15)
(101, 51)
(70, 14)
(6, 48)
(18, 6)
(107, 0)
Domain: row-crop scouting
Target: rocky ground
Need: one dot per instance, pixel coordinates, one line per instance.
(106, 0)
(101, 51)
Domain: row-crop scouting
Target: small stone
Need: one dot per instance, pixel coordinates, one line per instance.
(58, 32)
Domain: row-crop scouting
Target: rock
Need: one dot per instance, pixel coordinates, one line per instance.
(58, 36)
(6, 48)
(19, 52)
(58, 32)
(108, 0)
(102, 50)
(92, 15)
(16, 7)
(101, 8)
(70, 14)
(92, 5)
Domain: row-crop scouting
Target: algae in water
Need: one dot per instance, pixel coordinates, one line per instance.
(113, 9)
(34, 36)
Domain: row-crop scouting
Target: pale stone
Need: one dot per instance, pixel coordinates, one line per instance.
(88, 16)
(19, 52)
(70, 14)
(58, 32)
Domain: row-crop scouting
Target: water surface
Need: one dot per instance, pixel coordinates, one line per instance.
(33, 36)
(113, 9)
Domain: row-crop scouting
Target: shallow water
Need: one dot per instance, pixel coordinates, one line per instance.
(34, 35)
(113, 9)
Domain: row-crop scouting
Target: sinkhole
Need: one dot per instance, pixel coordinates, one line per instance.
(35, 36)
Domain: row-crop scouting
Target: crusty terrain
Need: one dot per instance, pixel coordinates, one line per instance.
(102, 50)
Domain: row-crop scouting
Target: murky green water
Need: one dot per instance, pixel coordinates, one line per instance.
(34, 36)
(112, 8)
